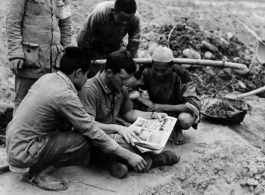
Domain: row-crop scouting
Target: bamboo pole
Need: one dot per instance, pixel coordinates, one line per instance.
(220, 64)
(261, 89)
(4, 168)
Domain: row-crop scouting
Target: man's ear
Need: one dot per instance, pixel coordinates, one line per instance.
(109, 73)
(78, 72)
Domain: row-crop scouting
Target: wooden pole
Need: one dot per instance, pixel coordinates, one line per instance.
(220, 64)
(4, 168)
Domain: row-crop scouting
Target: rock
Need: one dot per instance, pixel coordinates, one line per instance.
(261, 168)
(238, 60)
(192, 24)
(191, 53)
(208, 55)
(229, 35)
(224, 58)
(242, 72)
(242, 183)
(224, 43)
(241, 85)
(151, 47)
(260, 159)
(252, 182)
(244, 164)
(209, 46)
(259, 190)
(253, 169)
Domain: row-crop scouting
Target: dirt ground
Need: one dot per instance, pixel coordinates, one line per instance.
(216, 160)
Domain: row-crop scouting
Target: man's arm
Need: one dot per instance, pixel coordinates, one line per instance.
(191, 102)
(13, 29)
(65, 28)
(71, 108)
(134, 36)
(86, 34)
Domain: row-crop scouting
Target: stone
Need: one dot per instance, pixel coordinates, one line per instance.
(241, 85)
(191, 53)
(208, 55)
(244, 164)
(229, 35)
(259, 190)
(209, 46)
(261, 168)
(152, 46)
(252, 182)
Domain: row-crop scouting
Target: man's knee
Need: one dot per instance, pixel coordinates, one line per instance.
(186, 120)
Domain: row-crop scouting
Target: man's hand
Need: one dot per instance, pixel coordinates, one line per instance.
(160, 116)
(156, 108)
(16, 64)
(128, 133)
(137, 162)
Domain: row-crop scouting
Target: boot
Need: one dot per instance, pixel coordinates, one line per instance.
(165, 158)
(148, 161)
(118, 170)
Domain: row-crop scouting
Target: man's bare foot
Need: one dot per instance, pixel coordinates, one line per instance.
(48, 182)
(178, 138)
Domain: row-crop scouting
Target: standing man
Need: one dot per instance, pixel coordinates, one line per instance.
(105, 28)
(40, 140)
(167, 93)
(105, 96)
(37, 33)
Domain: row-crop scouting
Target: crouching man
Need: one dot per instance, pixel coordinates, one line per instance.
(170, 92)
(39, 139)
(105, 96)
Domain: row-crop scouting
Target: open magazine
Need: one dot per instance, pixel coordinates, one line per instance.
(153, 133)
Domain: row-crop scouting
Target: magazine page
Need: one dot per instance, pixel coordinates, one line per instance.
(153, 133)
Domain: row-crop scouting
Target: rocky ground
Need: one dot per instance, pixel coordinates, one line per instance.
(218, 159)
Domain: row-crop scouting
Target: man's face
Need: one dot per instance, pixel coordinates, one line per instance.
(123, 18)
(119, 79)
(161, 70)
(81, 79)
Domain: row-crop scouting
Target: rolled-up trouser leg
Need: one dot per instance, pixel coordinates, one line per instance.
(68, 148)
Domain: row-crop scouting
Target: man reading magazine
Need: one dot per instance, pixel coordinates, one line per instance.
(105, 96)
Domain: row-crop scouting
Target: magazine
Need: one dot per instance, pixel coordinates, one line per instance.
(153, 133)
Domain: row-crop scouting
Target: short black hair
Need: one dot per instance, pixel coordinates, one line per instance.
(127, 6)
(74, 59)
(120, 59)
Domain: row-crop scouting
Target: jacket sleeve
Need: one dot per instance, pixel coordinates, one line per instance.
(13, 29)
(190, 97)
(64, 24)
(65, 28)
(183, 73)
(86, 34)
(134, 36)
(71, 109)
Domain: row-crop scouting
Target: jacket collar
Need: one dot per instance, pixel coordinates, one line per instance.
(68, 81)
(106, 89)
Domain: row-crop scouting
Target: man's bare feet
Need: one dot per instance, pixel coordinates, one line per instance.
(178, 138)
(46, 181)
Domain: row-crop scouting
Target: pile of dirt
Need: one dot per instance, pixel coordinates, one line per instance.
(189, 39)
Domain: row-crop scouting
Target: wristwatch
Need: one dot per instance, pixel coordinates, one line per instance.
(153, 115)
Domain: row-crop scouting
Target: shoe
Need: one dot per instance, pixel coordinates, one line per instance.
(166, 158)
(118, 170)
(148, 161)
